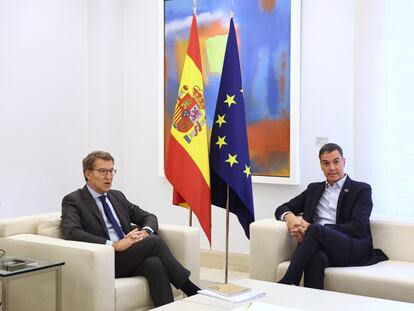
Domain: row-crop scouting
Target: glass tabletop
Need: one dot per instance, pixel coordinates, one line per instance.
(13, 265)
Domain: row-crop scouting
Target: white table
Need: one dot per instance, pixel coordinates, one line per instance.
(291, 297)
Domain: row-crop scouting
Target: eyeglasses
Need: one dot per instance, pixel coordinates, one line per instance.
(104, 171)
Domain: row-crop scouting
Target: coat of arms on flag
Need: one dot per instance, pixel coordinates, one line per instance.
(189, 112)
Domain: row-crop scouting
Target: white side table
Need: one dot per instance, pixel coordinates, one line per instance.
(8, 274)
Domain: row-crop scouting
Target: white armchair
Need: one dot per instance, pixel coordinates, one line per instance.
(88, 281)
(271, 248)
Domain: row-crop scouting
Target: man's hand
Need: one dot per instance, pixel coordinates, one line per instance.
(137, 234)
(134, 236)
(302, 229)
(304, 224)
(297, 226)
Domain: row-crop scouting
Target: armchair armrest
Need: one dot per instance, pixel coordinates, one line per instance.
(88, 273)
(270, 245)
(184, 243)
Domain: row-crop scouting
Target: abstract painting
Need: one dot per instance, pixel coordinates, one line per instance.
(268, 33)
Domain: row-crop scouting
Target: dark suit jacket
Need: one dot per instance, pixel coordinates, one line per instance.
(82, 220)
(352, 213)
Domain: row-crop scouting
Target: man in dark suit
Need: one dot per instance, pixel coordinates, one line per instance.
(97, 214)
(330, 220)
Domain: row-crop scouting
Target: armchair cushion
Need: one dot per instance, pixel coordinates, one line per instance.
(132, 293)
(50, 228)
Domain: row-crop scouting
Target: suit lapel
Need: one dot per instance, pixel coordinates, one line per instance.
(344, 191)
(90, 202)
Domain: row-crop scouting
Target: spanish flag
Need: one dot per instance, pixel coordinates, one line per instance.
(187, 160)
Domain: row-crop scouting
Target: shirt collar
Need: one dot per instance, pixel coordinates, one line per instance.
(95, 194)
(339, 184)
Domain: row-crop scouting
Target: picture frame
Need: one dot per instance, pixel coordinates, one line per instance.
(279, 126)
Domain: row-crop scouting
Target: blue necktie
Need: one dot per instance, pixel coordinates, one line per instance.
(111, 217)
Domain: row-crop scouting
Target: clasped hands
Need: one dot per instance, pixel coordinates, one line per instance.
(297, 226)
(134, 236)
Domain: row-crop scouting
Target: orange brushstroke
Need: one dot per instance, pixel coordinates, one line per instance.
(267, 137)
(268, 5)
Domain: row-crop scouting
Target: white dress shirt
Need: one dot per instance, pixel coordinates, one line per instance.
(326, 210)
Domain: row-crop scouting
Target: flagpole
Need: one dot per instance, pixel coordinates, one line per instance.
(190, 220)
(226, 270)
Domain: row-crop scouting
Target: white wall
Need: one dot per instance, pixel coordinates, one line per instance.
(43, 87)
(105, 79)
(383, 102)
(60, 96)
(106, 72)
(371, 60)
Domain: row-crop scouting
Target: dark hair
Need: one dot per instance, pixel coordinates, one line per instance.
(330, 147)
(89, 162)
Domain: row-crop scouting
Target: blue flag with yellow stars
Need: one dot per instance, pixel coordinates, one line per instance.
(229, 151)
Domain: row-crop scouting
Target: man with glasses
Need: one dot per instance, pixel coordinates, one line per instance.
(330, 220)
(97, 214)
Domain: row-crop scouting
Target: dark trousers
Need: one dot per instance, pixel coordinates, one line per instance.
(322, 247)
(152, 259)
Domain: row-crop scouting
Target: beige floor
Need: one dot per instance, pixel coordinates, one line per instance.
(213, 265)
(211, 275)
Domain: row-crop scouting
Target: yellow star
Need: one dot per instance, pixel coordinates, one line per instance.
(247, 171)
(221, 141)
(230, 100)
(231, 159)
(220, 119)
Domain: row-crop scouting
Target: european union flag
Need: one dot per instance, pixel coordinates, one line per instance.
(229, 152)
